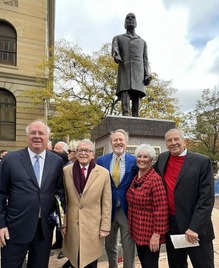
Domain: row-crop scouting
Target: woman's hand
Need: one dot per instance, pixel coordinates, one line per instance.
(155, 243)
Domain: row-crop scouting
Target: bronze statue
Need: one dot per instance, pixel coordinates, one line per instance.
(130, 52)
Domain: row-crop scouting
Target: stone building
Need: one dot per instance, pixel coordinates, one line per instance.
(26, 33)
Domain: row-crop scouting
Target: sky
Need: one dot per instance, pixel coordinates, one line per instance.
(182, 37)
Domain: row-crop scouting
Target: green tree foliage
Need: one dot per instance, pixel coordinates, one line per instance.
(88, 79)
(160, 102)
(85, 91)
(202, 124)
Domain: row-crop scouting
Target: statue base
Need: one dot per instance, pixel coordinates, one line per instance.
(141, 130)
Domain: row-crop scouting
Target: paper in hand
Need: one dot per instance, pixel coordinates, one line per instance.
(179, 241)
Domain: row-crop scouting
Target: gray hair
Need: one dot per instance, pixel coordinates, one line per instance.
(173, 130)
(120, 131)
(147, 149)
(88, 142)
(64, 145)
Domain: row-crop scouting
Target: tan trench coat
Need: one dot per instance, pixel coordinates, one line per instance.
(86, 216)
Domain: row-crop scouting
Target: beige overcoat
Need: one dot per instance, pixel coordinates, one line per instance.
(86, 215)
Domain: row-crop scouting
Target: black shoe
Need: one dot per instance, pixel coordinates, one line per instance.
(56, 246)
(67, 265)
(52, 253)
(61, 255)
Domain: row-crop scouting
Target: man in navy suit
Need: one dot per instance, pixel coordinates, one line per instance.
(26, 201)
(128, 169)
(190, 190)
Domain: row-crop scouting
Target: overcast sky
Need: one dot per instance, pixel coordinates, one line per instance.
(182, 37)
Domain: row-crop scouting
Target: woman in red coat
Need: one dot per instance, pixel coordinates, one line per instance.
(147, 208)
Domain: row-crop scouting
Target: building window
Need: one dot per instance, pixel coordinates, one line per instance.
(8, 44)
(7, 115)
(11, 2)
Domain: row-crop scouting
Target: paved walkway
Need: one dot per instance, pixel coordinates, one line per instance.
(55, 263)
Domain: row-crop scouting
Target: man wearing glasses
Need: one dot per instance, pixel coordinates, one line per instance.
(88, 208)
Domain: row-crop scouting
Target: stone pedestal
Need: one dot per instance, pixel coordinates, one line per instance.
(141, 130)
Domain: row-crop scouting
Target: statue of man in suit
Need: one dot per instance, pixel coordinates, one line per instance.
(130, 52)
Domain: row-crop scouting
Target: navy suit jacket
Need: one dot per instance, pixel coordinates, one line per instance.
(21, 198)
(193, 194)
(119, 193)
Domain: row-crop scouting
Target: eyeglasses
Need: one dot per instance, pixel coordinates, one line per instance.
(71, 151)
(39, 133)
(86, 151)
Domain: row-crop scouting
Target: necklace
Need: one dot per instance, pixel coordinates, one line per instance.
(139, 175)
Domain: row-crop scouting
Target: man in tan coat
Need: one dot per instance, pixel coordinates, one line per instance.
(88, 208)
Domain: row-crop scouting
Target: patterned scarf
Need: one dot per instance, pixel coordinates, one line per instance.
(78, 177)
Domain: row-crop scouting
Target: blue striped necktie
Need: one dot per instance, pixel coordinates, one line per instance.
(36, 167)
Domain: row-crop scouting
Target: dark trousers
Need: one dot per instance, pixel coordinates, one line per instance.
(58, 241)
(201, 256)
(13, 255)
(125, 99)
(147, 258)
(90, 265)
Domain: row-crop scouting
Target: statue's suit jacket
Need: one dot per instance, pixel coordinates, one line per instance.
(119, 193)
(193, 194)
(21, 198)
(133, 69)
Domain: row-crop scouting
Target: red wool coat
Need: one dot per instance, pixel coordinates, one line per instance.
(147, 208)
